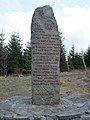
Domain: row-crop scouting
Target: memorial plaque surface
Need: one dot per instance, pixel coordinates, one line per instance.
(45, 57)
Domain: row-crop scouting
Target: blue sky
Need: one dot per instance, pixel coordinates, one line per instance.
(73, 18)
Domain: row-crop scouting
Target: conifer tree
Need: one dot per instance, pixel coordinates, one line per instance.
(63, 64)
(3, 55)
(78, 61)
(72, 58)
(75, 59)
(14, 54)
(27, 58)
(87, 57)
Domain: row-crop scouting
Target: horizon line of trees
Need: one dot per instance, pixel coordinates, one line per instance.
(14, 59)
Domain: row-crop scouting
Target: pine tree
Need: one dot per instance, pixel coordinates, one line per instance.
(63, 64)
(75, 60)
(27, 59)
(78, 61)
(14, 54)
(3, 55)
(87, 57)
(72, 58)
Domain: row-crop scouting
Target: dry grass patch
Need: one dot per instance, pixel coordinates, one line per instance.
(70, 83)
(11, 86)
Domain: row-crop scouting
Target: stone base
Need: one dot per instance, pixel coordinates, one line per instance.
(70, 108)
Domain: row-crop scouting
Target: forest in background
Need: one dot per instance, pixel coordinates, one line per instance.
(14, 59)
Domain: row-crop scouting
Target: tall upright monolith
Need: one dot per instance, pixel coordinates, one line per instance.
(45, 46)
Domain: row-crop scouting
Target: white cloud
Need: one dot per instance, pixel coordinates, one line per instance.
(8, 5)
(14, 21)
(75, 24)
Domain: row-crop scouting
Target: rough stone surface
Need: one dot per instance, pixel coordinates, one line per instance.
(70, 108)
(45, 57)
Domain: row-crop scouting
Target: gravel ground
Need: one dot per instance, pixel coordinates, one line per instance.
(70, 108)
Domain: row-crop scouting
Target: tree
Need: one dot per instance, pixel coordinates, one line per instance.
(63, 64)
(87, 57)
(75, 59)
(15, 54)
(3, 55)
(78, 61)
(27, 58)
(72, 57)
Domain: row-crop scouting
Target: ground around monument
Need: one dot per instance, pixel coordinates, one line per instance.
(16, 101)
(71, 83)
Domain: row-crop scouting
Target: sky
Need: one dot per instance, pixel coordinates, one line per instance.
(73, 18)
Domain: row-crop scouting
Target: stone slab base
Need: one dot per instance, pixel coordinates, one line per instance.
(70, 108)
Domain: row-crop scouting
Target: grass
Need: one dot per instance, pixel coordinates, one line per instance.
(70, 83)
(11, 86)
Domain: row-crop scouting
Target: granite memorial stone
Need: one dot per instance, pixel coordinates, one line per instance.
(45, 45)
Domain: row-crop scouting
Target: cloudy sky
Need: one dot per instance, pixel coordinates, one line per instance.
(73, 18)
